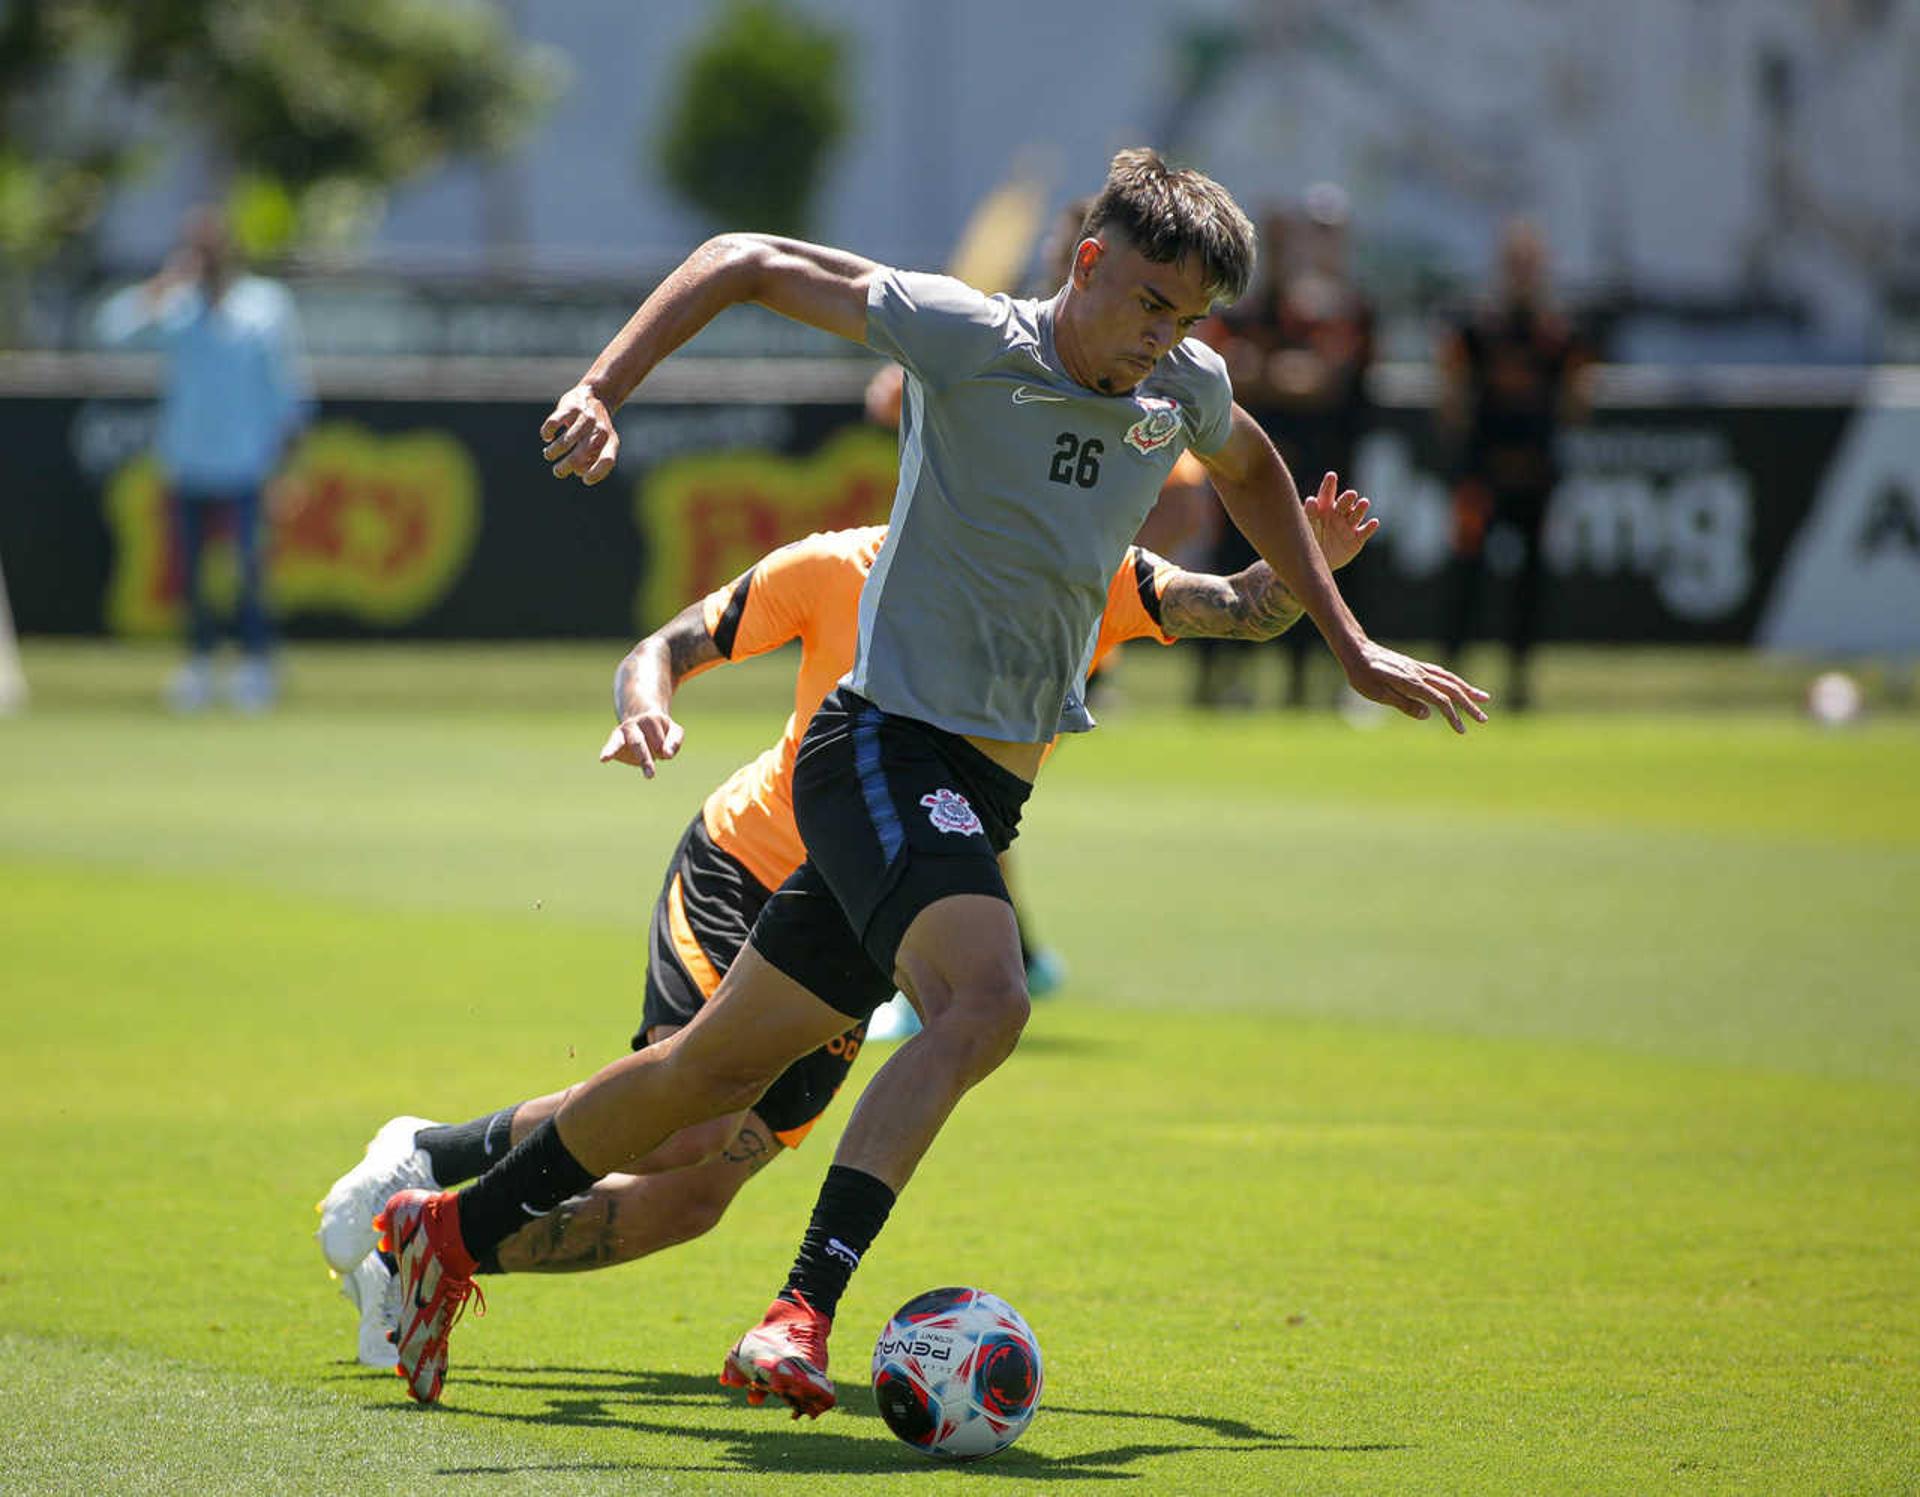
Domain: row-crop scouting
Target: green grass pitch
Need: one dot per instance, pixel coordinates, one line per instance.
(1534, 1113)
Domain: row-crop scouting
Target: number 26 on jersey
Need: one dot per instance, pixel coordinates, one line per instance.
(1076, 461)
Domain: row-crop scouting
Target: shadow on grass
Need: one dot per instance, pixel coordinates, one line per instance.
(765, 1440)
(1038, 1041)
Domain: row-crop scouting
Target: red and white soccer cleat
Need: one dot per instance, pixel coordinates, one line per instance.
(422, 1231)
(785, 1355)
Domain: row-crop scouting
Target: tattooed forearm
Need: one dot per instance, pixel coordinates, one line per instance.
(750, 1147)
(1254, 604)
(577, 1235)
(1268, 606)
(649, 672)
(689, 646)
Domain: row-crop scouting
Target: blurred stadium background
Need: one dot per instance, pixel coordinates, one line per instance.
(1576, 1062)
(466, 199)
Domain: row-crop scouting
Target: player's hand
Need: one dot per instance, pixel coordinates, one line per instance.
(1415, 687)
(1339, 521)
(182, 268)
(642, 741)
(580, 437)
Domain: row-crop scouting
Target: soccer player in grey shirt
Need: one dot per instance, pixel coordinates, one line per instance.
(1035, 437)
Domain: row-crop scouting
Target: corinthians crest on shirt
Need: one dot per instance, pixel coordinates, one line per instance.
(949, 812)
(1159, 426)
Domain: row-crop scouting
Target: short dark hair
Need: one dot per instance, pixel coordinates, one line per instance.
(1169, 213)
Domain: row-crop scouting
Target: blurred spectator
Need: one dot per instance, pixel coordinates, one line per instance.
(234, 397)
(1512, 374)
(1299, 350)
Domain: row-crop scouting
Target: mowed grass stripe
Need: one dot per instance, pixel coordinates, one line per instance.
(1261, 1253)
(80, 1417)
(1694, 947)
(1746, 777)
(1310, 869)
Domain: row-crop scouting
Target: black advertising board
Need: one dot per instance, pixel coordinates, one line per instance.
(433, 520)
(1789, 524)
(1667, 525)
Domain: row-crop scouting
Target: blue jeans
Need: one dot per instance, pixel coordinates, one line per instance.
(194, 511)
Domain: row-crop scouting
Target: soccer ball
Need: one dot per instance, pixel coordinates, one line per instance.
(1834, 699)
(957, 1374)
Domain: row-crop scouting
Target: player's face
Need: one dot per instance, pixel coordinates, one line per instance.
(208, 246)
(1523, 262)
(1127, 311)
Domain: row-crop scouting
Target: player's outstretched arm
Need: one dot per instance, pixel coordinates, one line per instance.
(643, 688)
(811, 283)
(1254, 603)
(1260, 498)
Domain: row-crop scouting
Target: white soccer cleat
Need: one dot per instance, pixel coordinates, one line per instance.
(191, 688)
(392, 1164)
(253, 686)
(373, 1290)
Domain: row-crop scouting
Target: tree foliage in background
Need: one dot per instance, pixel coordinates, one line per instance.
(309, 108)
(758, 113)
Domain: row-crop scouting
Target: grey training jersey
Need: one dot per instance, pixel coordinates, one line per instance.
(1019, 491)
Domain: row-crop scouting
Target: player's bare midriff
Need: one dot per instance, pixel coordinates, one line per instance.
(1022, 759)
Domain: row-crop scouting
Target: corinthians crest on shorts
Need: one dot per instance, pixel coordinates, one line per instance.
(949, 812)
(1159, 426)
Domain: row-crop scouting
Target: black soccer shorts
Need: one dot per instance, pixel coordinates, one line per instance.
(896, 814)
(700, 921)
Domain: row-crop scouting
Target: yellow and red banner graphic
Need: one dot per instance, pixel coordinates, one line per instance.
(376, 528)
(711, 516)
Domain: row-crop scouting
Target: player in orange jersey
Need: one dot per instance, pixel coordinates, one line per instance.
(742, 845)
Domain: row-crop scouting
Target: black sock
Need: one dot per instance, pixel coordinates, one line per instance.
(537, 1175)
(459, 1151)
(848, 1214)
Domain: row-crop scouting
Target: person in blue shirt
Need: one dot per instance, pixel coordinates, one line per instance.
(234, 397)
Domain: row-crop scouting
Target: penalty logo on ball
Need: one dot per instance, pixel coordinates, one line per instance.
(957, 1374)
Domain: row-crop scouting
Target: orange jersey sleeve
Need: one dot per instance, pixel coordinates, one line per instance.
(1133, 602)
(808, 591)
(779, 598)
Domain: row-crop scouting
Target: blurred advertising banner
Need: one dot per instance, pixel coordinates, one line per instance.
(709, 517)
(433, 520)
(1794, 525)
(1850, 582)
(368, 527)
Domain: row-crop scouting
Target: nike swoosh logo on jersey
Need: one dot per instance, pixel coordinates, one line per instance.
(1026, 395)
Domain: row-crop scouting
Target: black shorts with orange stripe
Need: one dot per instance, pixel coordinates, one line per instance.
(707, 905)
